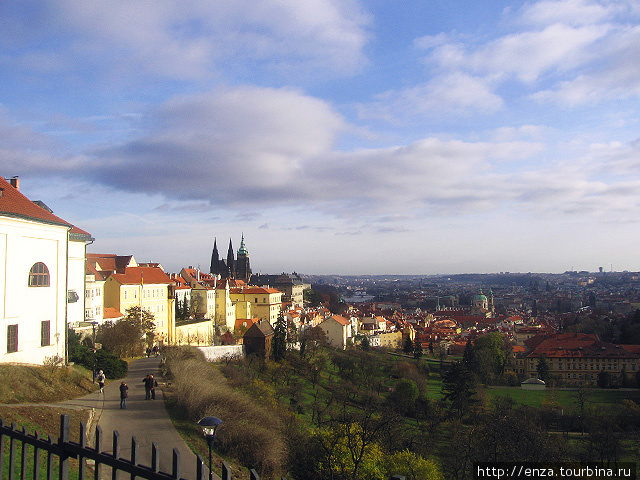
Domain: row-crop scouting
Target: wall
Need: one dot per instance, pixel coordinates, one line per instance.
(216, 353)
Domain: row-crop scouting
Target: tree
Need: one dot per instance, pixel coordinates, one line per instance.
(491, 354)
(279, 342)
(129, 336)
(365, 344)
(417, 350)
(604, 379)
(412, 466)
(458, 388)
(404, 396)
(408, 346)
(543, 369)
(469, 357)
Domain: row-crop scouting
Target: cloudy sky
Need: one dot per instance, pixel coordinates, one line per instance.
(340, 136)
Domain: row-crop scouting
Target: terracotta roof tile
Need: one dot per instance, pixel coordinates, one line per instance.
(15, 204)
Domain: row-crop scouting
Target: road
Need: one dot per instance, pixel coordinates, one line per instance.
(146, 420)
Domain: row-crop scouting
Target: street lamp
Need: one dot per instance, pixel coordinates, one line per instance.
(209, 426)
(93, 324)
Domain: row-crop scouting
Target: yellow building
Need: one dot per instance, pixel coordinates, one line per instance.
(391, 340)
(148, 288)
(225, 309)
(578, 358)
(266, 303)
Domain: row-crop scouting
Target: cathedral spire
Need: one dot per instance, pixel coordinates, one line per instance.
(215, 259)
(231, 260)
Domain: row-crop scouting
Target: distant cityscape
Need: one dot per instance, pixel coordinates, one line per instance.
(577, 316)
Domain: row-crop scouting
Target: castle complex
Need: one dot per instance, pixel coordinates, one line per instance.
(231, 267)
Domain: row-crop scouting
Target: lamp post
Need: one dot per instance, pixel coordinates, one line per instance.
(209, 426)
(93, 324)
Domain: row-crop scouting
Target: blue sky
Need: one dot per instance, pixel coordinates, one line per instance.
(341, 137)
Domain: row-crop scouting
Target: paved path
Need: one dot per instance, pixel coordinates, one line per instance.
(146, 420)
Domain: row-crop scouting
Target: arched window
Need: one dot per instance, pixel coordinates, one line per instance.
(39, 275)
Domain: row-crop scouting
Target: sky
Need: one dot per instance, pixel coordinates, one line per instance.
(337, 136)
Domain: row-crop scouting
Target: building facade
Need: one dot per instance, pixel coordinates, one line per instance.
(42, 261)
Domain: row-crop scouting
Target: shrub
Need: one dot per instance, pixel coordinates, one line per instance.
(110, 364)
(250, 432)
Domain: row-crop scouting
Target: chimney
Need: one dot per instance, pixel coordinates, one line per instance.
(15, 182)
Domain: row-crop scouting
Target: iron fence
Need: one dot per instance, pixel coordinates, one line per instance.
(64, 449)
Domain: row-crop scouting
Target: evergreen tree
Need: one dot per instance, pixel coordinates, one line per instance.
(469, 357)
(185, 308)
(459, 387)
(408, 346)
(279, 343)
(417, 350)
(431, 348)
(365, 344)
(543, 369)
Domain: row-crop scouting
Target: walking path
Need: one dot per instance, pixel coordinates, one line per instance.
(146, 420)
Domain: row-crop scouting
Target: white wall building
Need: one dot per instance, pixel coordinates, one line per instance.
(42, 278)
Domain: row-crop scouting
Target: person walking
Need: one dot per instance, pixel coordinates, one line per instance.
(148, 382)
(101, 378)
(154, 384)
(124, 393)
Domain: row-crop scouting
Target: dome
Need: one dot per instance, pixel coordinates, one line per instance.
(480, 297)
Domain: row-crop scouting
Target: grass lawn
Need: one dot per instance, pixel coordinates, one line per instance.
(561, 397)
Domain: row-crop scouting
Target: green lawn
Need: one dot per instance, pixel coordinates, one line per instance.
(562, 398)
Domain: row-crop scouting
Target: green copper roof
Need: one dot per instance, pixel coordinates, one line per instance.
(243, 250)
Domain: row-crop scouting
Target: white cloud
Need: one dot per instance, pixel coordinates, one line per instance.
(189, 40)
(441, 97)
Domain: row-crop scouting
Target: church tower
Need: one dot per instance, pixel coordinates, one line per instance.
(243, 268)
(231, 266)
(214, 268)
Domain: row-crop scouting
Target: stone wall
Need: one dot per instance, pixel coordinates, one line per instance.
(216, 353)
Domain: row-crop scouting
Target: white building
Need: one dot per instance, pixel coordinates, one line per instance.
(42, 275)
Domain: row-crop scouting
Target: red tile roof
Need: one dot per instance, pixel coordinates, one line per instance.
(136, 275)
(581, 345)
(15, 204)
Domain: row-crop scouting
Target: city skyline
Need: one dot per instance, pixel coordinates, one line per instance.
(340, 137)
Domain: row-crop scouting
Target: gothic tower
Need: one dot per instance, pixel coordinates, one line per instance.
(214, 268)
(231, 267)
(243, 268)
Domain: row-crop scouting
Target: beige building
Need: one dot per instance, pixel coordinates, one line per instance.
(266, 303)
(42, 259)
(392, 340)
(148, 288)
(338, 331)
(578, 358)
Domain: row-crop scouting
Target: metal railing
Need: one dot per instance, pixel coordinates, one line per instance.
(64, 449)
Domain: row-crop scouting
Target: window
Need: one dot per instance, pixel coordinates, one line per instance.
(45, 333)
(39, 275)
(12, 338)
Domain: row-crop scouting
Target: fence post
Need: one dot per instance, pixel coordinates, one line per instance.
(176, 464)
(12, 453)
(98, 445)
(64, 439)
(36, 459)
(82, 441)
(155, 457)
(134, 455)
(226, 471)
(23, 469)
(116, 454)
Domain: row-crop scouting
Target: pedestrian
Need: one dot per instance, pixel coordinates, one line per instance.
(156, 350)
(148, 382)
(148, 352)
(154, 384)
(124, 393)
(101, 378)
